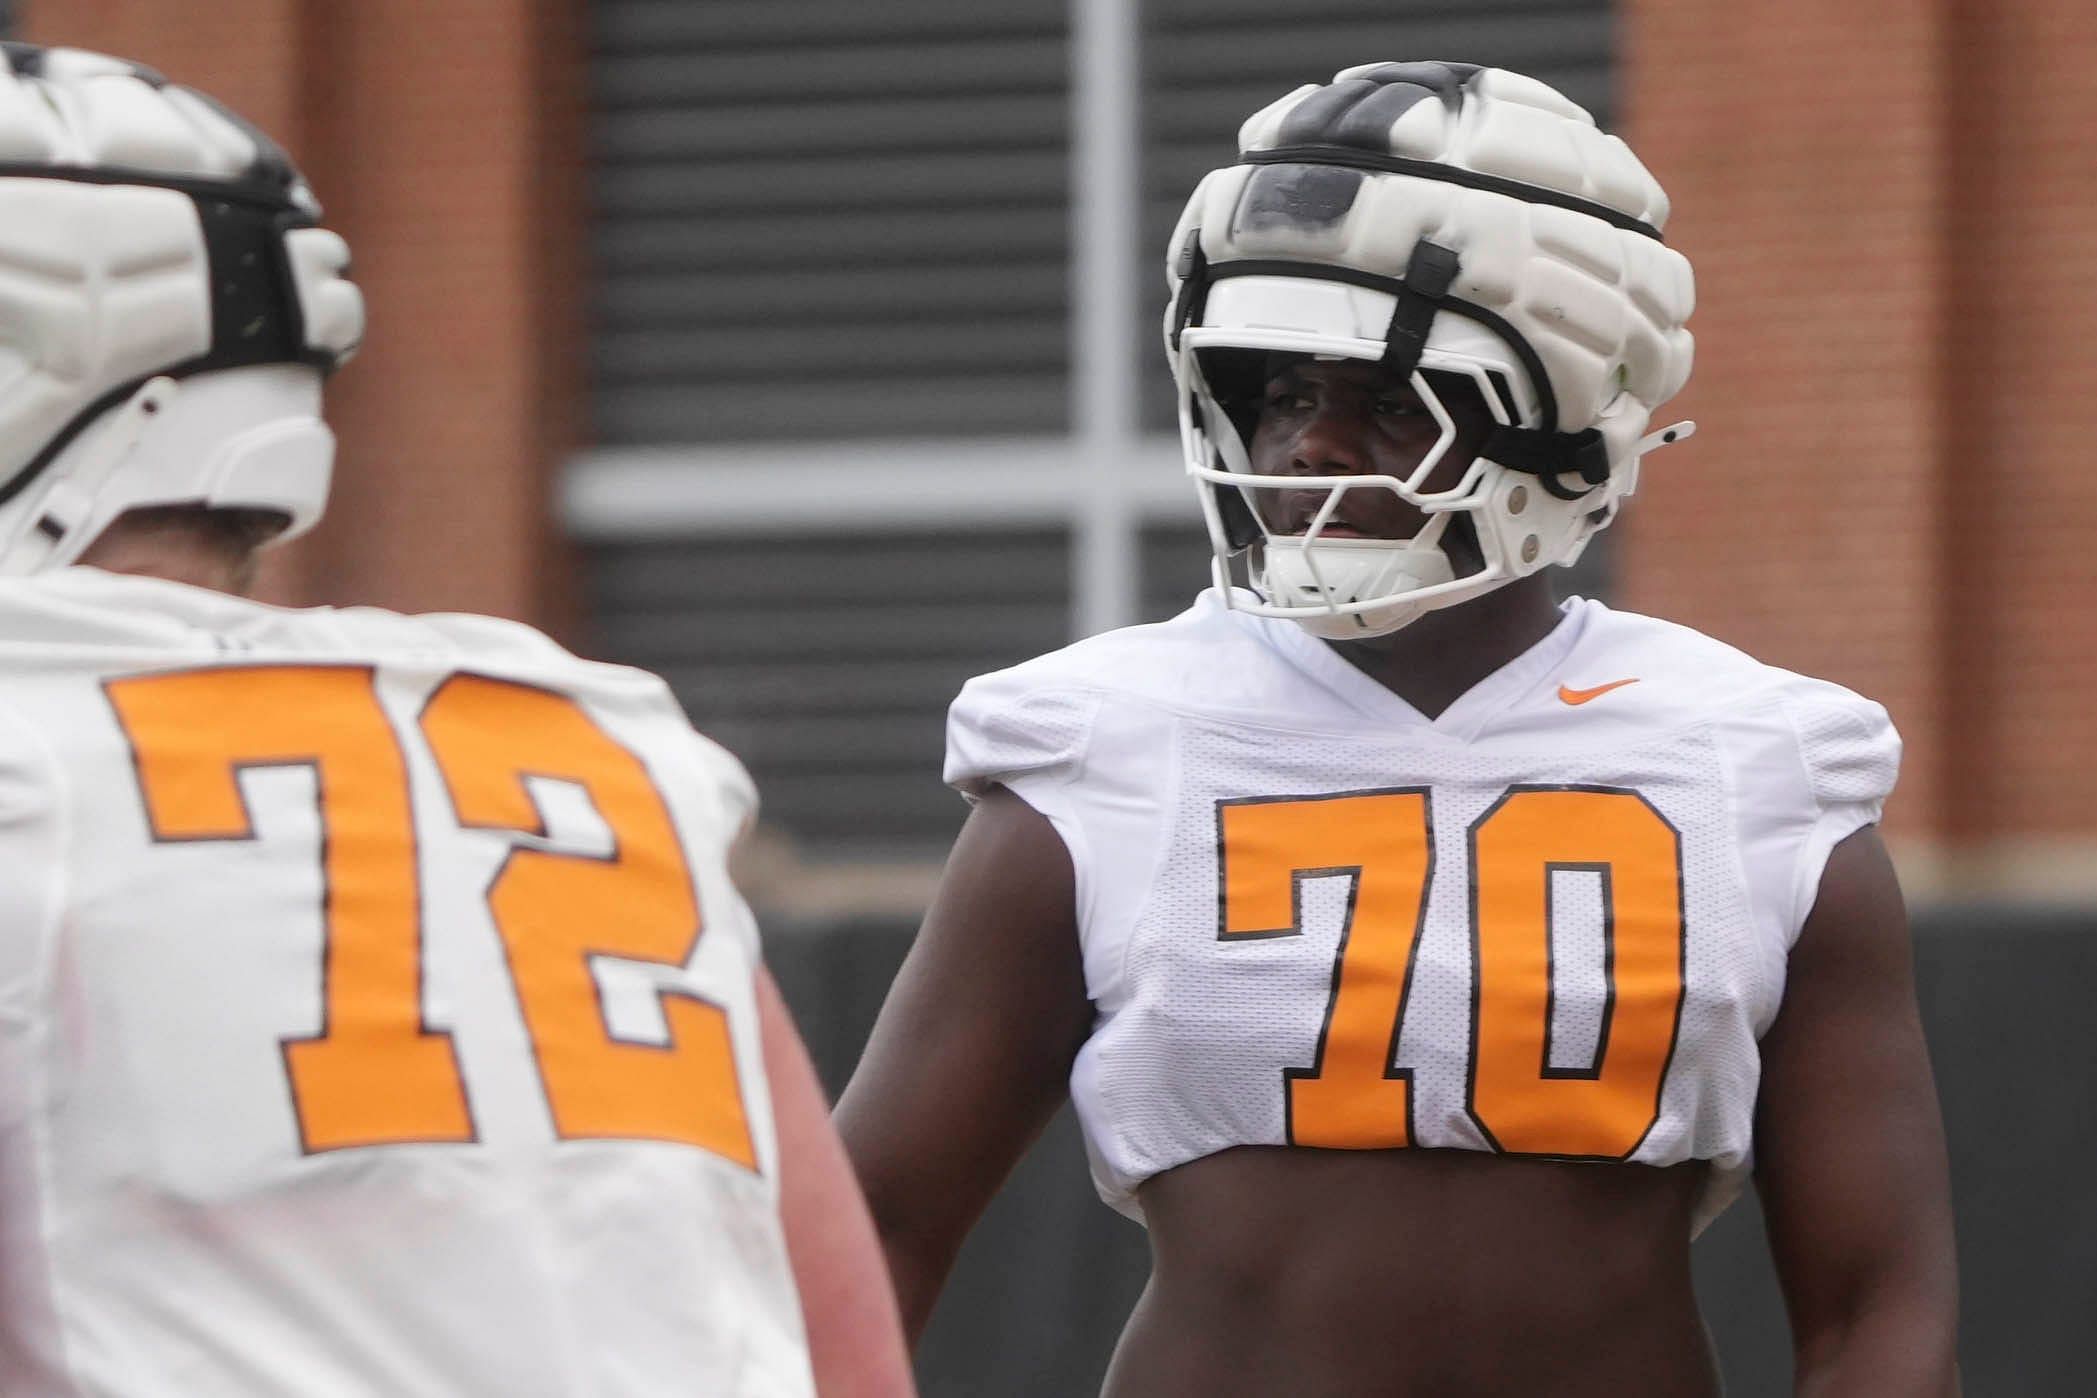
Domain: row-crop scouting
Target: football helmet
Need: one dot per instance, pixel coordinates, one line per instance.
(1469, 229)
(168, 308)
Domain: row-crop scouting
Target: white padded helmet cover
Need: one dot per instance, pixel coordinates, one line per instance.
(106, 285)
(1436, 217)
(1603, 306)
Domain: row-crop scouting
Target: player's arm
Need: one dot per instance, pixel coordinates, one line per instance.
(972, 1052)
(854, 1342)
(1850, 1149)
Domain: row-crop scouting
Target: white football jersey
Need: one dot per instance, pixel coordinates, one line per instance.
(376, 1014)
(1552, 921)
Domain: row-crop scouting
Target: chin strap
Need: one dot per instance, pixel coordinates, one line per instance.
(1551, 456)
(69, 504)
(1192, 297)
(1425, 287)
(1541, 452)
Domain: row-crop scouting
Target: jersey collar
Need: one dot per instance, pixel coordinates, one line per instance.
(1462, 721)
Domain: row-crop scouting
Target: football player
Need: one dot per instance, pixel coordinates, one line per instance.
(376, 1013)
(1426, 961)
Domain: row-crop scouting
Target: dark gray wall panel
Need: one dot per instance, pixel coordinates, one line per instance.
(1175, 564)
(829, 220)
(826, 662)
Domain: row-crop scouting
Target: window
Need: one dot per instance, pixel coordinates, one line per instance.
(875, 316)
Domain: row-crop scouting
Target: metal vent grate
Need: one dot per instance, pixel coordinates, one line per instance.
(1175, 565)
(827, 219)
(1209, 64)
(827, 663)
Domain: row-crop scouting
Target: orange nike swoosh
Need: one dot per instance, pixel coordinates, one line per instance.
(1581, 696)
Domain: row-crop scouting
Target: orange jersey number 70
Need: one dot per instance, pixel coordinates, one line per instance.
(1354, 1096)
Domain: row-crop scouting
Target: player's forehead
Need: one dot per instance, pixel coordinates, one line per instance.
(1334, 371)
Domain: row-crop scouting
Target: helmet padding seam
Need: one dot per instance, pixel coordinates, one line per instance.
(1448, 174)
(270, 196)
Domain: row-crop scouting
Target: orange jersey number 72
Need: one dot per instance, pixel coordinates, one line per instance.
(377, 1073)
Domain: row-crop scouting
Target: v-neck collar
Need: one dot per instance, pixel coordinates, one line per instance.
(1472, 710)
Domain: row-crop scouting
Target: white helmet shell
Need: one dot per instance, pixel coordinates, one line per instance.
(168, 308)
(1434, 217)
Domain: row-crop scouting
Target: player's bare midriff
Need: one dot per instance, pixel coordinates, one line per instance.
(1415, 1274)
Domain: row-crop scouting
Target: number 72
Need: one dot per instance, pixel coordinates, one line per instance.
(376, 1073)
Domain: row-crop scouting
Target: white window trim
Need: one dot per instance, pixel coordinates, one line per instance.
(1106, 189)
(625, 493)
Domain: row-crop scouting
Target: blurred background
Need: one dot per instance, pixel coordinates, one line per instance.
(806, 352)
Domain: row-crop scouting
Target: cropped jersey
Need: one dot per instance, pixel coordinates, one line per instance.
(1552, 921)
(376, 1014)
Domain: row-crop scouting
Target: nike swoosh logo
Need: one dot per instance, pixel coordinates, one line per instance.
(1581, 696)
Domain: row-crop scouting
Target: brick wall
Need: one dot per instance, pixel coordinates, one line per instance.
(1887, 203)
(2022, 634)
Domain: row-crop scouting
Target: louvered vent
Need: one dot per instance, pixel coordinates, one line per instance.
(829, 219)
(826, 663)
(1174, 562)
(1209, 64)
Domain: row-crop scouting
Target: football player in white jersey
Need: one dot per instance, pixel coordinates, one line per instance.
(1426, 961)
(376, 1013)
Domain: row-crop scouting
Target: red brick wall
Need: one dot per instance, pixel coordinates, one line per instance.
(2021, 474)
(1887, 203)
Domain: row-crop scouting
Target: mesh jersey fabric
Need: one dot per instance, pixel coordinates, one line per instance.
(170, 1223)
(1138, 744)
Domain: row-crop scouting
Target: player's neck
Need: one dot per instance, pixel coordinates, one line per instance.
(195, 568)
(1433, 662)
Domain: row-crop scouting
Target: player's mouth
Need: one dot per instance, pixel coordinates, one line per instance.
(1349, 520)
(1336, 530)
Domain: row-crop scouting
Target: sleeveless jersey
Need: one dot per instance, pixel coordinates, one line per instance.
(376, 1014)
(1552, 921)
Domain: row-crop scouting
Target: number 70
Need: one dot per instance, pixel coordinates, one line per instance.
(1352, 1097)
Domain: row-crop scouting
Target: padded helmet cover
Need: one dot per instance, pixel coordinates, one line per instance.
(153, 247)
(1558, 268)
